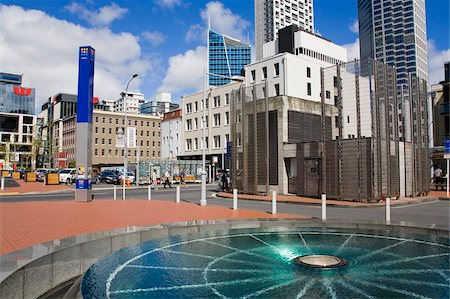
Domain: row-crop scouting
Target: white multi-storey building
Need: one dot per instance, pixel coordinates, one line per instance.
(217, 125)
(272, 15)
(296, 72)
(171, 133)
(134, 101)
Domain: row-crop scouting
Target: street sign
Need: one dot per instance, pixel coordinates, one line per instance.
(228, 156)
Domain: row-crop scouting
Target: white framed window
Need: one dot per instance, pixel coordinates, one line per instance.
(188, 144)
(195, 143)
(203, 144)
(188, 124)
(227, 99)
(276, 68)
(195, 106)
(216, 101)
(217, 141)
(216, 119)
(188, 107)
(264, 72)
(195, 123)
(227, 117)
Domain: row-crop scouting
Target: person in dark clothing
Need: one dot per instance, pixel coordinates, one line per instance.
(224, 182)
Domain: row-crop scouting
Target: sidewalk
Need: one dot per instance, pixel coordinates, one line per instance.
(22, 187)
(30, 223)
(433, 195)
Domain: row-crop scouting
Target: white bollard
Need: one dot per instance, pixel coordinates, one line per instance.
(178, 194)
(115, 192)
(388, 210)
(324, 207)
(149, 193)
(234, 199)
(3, 183)
(274, 202)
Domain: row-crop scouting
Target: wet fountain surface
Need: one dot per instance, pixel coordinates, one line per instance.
(265, 264)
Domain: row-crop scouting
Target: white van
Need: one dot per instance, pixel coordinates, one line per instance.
(67, 175)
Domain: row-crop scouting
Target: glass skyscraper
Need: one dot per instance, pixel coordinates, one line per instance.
(394, 32)
(226, 57)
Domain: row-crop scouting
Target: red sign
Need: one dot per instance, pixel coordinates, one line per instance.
(22, 91)
(95, 100)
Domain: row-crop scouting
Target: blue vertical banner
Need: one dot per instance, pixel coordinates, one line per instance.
(228, 156)
(85, 104)
(447, 146)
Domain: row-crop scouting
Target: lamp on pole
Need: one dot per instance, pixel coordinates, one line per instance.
(234, 78)
(125, 162)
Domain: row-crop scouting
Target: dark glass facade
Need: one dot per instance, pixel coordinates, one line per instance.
(227, 57)
(391, 31)
(17, 99)
(158, 108)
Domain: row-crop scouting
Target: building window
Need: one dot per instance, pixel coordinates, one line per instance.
(277, 89)
(195, 123)
(264, 72)
(216, 101)
(216, 119)
(103, 152)
(103, 140)
(188, 107)
(253, 75)
(308, 72)
(103, 120)
(96, 129)
(195, 143)
(227, 99)
(227, 138)
(195, 106)
(188, 124)
(216, 141)
(109, 141)
(103, 130)
(277, 69)
(110, 131)
(308, 87)
(96, 152)
(188, 145)
(328, 95)
(227, 117)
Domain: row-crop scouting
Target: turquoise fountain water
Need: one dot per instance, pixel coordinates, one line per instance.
(261, 264)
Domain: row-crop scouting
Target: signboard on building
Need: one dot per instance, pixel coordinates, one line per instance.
(120, 137)
(228, 156)
(447, 145)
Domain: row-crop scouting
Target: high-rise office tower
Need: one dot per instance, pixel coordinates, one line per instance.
(227, 57)
(394, 32)
(272, 15)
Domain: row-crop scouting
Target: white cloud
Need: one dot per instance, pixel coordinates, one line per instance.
(436, 60)
(352, 50)
(168, 4)
(156, 38)
(101, 18)
(222, 19)
(185, 72)
(46, 51)
(354, 27)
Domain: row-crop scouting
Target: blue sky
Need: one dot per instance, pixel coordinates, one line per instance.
(162, 40)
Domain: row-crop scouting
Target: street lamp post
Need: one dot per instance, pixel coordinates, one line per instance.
(203, 188)
(125, 162)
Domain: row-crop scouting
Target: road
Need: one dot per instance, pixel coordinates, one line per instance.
(431, 213)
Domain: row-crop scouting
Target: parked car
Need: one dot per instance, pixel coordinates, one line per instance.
(130, 176)
(67, 175)
(108, 177)
(40, 174)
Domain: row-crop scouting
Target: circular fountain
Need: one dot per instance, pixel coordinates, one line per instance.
(321, 261)
(295, 262)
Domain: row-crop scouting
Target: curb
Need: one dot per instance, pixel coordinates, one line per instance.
(343, 205)
(36, 192)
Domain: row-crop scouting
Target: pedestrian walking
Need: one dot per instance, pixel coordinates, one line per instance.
(154, 180)
(167, 179)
